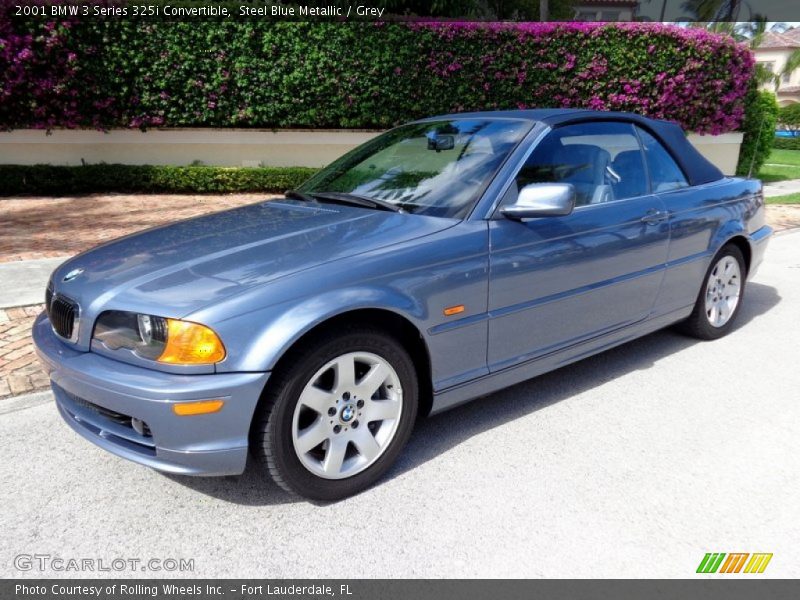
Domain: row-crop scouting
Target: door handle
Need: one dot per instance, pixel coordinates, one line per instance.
(655, 216)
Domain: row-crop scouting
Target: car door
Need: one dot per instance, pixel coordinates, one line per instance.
(695, 216)
(555, 281)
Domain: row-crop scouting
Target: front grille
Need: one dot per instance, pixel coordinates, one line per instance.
(63, 313)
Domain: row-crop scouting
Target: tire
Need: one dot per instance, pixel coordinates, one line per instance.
(361, 439)
(704, 323)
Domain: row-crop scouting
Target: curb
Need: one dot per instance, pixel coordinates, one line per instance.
(25, 401)
(787, 231)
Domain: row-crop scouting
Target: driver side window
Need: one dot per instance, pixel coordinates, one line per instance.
(602, 160)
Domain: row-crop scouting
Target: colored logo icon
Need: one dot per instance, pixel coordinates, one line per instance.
(734, 562)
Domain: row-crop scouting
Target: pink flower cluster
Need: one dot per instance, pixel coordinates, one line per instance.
(688, 75)
(40, 66)
(66, 72)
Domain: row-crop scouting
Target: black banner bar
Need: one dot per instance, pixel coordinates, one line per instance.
(377, 589)
(679, 11)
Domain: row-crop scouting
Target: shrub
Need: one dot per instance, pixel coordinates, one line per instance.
(245, 73)
(789, 116)
(784, 143)
(760, 118)
(46, 179)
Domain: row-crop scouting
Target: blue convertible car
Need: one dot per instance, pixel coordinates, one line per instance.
(439, 262)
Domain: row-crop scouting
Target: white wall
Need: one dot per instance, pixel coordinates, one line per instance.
(778, 57)
(221, 147)
(232, 147)
(722, 150)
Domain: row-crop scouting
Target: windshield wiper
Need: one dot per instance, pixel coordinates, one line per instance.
(295, 195)
(356, 200)
(343, 198)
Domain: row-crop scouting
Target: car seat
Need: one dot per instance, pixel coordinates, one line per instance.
(630, 170)
(586, 166)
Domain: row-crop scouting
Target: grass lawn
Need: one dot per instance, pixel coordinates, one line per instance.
(781, 165)
(788, 199)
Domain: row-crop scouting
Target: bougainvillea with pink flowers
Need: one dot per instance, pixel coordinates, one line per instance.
(329, 75)
(48, 77)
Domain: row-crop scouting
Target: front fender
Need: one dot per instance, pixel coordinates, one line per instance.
(269, 332)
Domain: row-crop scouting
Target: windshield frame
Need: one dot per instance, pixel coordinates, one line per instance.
(468, 209)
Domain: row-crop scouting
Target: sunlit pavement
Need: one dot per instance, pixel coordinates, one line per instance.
(634, 463)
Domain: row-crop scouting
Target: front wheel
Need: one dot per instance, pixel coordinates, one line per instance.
(337, 414)
(720, 298)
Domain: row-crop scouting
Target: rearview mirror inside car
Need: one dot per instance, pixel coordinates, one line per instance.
(441, 142)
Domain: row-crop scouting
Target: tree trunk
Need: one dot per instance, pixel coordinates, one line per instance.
(543, 10)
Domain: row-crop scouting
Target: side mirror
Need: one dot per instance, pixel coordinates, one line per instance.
(542, 200)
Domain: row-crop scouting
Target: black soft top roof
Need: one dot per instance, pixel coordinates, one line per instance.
(697, 168)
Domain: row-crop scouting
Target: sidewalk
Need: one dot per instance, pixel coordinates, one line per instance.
(19, 368)
(781, 188)
(22, 282)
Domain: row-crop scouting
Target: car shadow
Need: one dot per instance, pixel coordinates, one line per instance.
(435, 435)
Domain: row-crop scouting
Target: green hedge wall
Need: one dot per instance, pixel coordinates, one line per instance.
(250, 73)
(759, 130)
(46, 179)
(783, 143)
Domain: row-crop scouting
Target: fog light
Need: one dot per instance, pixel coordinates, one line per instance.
(204, 407)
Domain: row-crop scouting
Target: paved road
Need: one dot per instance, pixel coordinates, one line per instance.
(630, 464)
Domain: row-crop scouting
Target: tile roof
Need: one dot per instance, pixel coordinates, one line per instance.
(793, 33)
(788, 39)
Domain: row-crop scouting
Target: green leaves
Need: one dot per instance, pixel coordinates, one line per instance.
(761, 115)
(46, 179)
(250, 73)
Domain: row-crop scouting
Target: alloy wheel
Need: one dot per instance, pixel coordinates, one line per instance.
(723, 290)
(347, 415)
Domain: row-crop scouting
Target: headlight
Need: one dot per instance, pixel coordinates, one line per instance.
(158, 338)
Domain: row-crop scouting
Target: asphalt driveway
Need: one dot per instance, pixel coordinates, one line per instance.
(634, 463)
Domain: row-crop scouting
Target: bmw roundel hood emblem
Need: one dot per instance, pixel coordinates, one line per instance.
(72, 274)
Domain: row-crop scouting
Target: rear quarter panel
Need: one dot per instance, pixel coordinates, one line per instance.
(703, 218)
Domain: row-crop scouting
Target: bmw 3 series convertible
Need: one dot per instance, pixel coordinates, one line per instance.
(439, 262)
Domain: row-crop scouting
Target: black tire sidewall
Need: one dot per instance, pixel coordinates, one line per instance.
(280, 422)
(698, 322)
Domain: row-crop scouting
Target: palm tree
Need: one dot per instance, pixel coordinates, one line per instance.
(792, 63)
(713, 10)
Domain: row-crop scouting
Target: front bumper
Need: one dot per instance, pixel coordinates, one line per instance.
(127, 410)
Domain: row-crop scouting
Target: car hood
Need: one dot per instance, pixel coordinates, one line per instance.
(176, 269)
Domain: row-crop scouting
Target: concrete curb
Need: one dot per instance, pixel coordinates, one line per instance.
(25, 401)
(22, 282)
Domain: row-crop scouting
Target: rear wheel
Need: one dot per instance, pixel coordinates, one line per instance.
(337, 414)
(720, 298)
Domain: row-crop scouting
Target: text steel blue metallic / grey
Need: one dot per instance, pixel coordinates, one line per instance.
(441, 261)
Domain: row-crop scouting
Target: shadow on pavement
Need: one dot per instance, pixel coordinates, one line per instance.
(437, 434)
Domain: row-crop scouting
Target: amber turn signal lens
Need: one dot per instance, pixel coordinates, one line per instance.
(191, 344)
(204, 407)
(453, 310)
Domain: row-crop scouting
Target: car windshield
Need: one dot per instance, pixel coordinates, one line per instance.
(436, 168)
